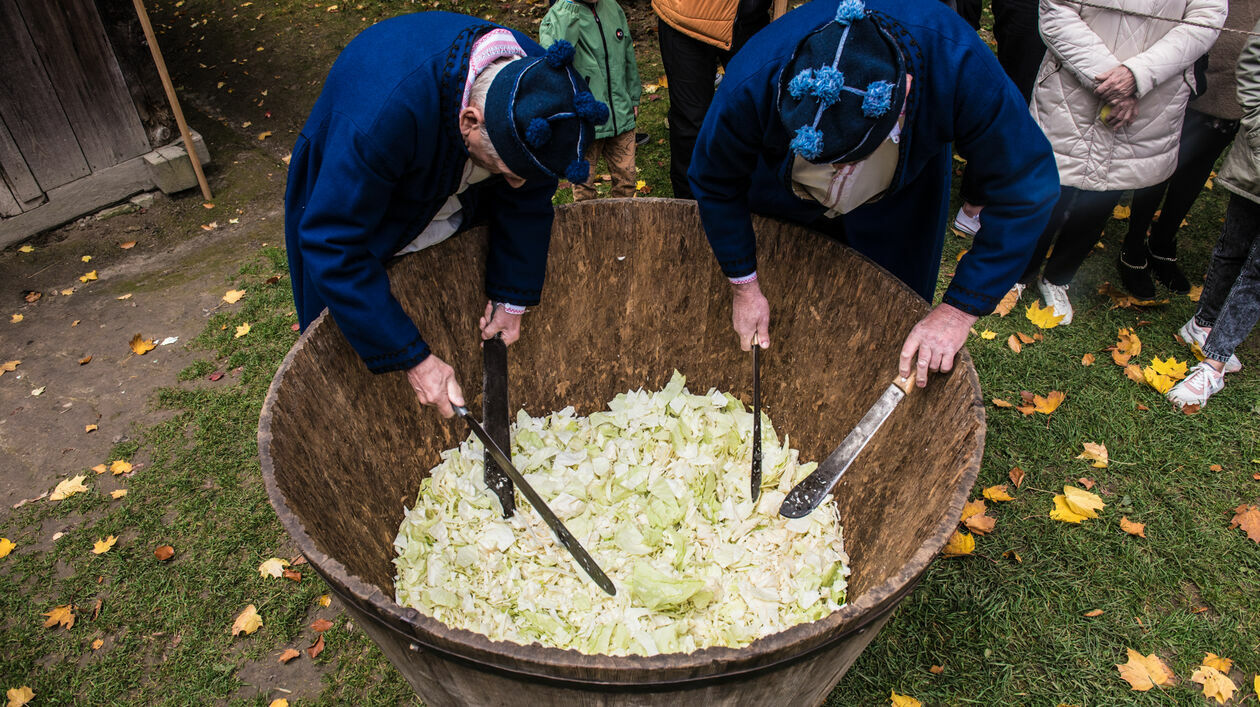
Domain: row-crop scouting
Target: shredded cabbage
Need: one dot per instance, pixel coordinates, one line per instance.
(656, 489)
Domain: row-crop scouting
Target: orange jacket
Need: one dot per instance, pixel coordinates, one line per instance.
(709, 21)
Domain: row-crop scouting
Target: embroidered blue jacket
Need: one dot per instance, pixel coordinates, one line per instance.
(959, 94)
(378, 156)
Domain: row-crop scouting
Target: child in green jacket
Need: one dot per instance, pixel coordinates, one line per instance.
(604, 56)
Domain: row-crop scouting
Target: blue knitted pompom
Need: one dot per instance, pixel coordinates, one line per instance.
(849, 10)
(590, 109)
(808, 142)
(559, 55)
(801, 84)
(578, 171)
(827, 85)
(538, 133)
(878, 99)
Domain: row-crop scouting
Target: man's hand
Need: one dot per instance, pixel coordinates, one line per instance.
(750, 314)
(936, 339)
(496, 320)
(435, 384)
(1123, 112)
(1116, 83)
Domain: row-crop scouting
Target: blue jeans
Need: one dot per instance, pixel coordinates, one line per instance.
(1230, 303)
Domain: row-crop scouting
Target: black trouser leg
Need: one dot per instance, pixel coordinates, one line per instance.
(1020, 48)
(1080, 230)
(690, 66)
(1203, 139)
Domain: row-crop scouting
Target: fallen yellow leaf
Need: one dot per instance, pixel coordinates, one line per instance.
(1083, 502)
(141, 345)
(1145, 672)
(972, 508)
(1048, 404)
(998, 493)
(903, 701)
(1063, 512)
(86, 258)
(6, 546)
(241, 330)
(1097, 453)
(1157, 381)
(324, 600)
(986, 334)
(100, 547)
(1043, 317)
(247, 622)
(96, 645)
(90, 428)
(959, 544)
(1121, 212)
(1087, 359)
(1129, 343)
(264, 135)
(120, 466)
(1216, 684)
(233, 296)
(998, 402)
(272, 568)
(68, 488)
(100, 468)
(8, 366)
(19, 696)
(1135, 374)
(1222, 664)
(1094, 612)
(280, 701)
(63, 615)
(16, 318)
(1128, 526)
(117, 494)
(68, 291)
(1005, 306)
(26, 249)
(979, 523)
(1171, 367)
(88, 277)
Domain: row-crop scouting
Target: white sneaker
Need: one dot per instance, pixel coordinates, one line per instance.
(1202, 383)
(1056, 296)
(965, 223)
(1195, 335)
(1019, 290)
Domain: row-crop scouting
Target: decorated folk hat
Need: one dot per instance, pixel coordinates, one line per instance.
(841, 92)
(541, 116)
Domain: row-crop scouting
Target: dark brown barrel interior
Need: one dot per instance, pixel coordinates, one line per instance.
(633, 293)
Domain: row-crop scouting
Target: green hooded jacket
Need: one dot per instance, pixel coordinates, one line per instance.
(604, 55)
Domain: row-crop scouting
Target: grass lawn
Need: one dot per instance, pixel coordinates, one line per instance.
(1007, 623)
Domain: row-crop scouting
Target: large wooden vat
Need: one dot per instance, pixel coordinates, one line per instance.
(632, 293)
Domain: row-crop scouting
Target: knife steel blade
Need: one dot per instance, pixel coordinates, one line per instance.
(756, 441)
(494, 412)
(805, 496)
(566, 539)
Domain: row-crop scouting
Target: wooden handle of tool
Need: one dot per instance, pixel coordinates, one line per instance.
(906, 383)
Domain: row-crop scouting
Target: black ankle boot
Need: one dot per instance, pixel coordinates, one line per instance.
(1136, 279)
(1167, 272)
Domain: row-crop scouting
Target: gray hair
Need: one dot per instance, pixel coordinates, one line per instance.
(477, 98)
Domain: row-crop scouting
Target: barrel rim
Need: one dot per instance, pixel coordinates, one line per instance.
(572, 667)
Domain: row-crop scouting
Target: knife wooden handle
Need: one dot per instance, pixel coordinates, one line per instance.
(906, 383)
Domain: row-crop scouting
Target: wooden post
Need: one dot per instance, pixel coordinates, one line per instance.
(170, 96)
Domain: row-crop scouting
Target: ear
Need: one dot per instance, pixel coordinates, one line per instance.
(470, 120)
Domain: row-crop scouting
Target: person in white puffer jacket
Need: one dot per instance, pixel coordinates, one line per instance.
(1111, 95)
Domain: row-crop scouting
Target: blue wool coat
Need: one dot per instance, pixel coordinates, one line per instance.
(378, 156)
(959, 94)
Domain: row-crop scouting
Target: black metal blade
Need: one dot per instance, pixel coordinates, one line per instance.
(570, 543)
(756, 442)
(494, 411)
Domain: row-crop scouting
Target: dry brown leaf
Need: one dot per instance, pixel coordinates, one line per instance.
(293, 575)
(1017, 476)
(1027, 409)
(264, 135)
(1144, 672)
(321, 625)
(936, 669)
(1024, 338)
(96, 645)
(8, 366)
(1196, 291)
(85, 360)
(1012, 555)
(128, 245)
(1092, 613)
(141, 345)
(1128, 526)
(998, 402)
(1216, 684)
(63, 615)
(1087, 359)
(247, 622)
(1135, 374)
(980, 524)
(32, 296)
(289, 654)
(1216, 467)
(164, 553)
(90, 428)
(1086, 482)
(1248, 519)
(316, 648)
(1013, 342)
(1097, 453)
(1123, 300)
(1007, 304)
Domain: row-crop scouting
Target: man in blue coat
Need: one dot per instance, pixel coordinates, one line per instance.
(422, 119)
(840, 116)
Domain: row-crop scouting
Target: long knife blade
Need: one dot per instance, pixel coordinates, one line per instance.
(756, 441)
(494, 413)
(566, 539)
(805, 496)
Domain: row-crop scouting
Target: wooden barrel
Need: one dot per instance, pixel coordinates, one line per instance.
(633, 292)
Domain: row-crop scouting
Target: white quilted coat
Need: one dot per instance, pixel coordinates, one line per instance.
(1084, 43)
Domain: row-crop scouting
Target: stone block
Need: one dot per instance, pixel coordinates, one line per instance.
(170, 167)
